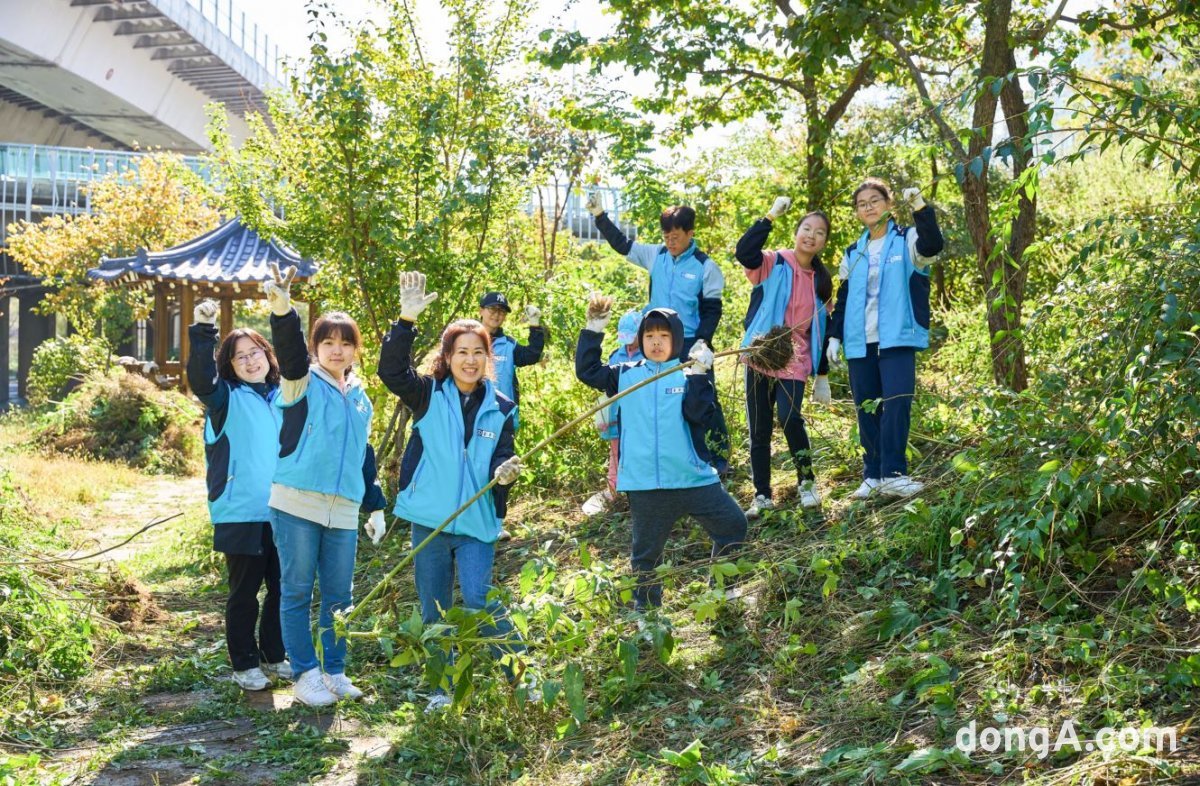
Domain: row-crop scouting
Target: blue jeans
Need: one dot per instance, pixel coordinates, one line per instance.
(309, 552)
(890, 374)
(435, 567)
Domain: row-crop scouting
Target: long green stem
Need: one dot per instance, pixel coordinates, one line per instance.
(358, 607)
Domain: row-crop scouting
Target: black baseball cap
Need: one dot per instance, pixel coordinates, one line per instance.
(495, 300)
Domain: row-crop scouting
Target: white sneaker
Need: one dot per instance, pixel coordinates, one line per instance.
(278, 671)
(504, 534)
(759, 504)
(598, 503)
(437, 702)
(251, 679)
(902, 486)
(311, 689)
(341, 686)
(809, 498)
(868, 487)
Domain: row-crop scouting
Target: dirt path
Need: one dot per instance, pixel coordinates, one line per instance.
(208, 734)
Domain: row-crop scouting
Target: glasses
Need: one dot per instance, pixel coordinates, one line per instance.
(246, 357)
(868, 205)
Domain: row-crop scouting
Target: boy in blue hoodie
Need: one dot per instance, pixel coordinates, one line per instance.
(666, 469)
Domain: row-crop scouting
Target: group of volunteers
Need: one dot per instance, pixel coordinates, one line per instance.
(291, 469)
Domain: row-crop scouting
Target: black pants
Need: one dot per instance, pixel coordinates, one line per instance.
(654, 515)
(788, 395)
(248, 572)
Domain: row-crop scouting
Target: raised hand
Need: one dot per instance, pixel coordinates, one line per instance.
(278, 288)
(532, 316)
(780, 207)
(912, 197)
(594, 204)
(206, 312)
(599, 311)
(413, 299)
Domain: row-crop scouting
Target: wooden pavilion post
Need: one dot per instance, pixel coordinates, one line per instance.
(187, 300)
(226, 300)
(161, 329)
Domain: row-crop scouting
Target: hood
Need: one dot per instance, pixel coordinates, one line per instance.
(673, 320)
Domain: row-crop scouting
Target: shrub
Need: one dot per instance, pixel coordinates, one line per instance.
(60, 364)
(124, 417)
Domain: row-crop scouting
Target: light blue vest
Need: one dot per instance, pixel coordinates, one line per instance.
(329, 457)
(620, 355)
(658, 452)
(449, 474)
(898, 325)
(772, 309)
(251, 430)
(678, 284)
(503, 349)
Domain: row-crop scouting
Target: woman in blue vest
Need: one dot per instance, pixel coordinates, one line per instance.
(462, 437)
(324, 478)
(237, 385)
(791, 288)
(880, 322)
(664, 464)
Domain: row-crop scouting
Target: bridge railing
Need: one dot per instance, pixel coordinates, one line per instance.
(232, 22)
(575, 217)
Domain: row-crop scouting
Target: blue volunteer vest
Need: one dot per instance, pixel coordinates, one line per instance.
(903, 291)
(449, 474)
(678, 284)
(776, 292)
(503, 349)
(328, 458)
(619, 356)
(659, 453)
(240, 472)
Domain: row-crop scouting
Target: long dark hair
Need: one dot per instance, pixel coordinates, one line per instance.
(821, 278)
(441, 361)
(228, 346)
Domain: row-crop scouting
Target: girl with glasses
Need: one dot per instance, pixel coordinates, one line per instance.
(880, 322)
(237, 384)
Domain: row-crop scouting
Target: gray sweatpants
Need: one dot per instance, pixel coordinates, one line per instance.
(655, 513)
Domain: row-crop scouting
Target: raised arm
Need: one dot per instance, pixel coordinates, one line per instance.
(395, 356)
(589, 368)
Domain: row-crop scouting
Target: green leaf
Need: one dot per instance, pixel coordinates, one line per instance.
(573, 687)
(1050, 466)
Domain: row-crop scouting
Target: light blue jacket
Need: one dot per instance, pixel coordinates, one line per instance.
(327, 455)
(241, 458)
(903, 296)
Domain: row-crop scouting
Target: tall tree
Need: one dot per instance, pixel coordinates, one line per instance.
(155, 205)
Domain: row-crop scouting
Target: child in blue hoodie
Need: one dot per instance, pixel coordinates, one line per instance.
(462, 437)
(237, 382)
(324, 478)
(664, 465)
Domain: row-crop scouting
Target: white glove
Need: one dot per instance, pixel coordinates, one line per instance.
(205, 312)
(821, 393)
(278, 290)
(594, 204)
(703, 357)
(912, 197)
(832, 352)
(532, 316)
(375, 527)
(599, 311)
(509, 471)
(413, 299)
(779, 208)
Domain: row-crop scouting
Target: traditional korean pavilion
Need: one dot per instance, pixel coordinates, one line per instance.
(225, 265)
